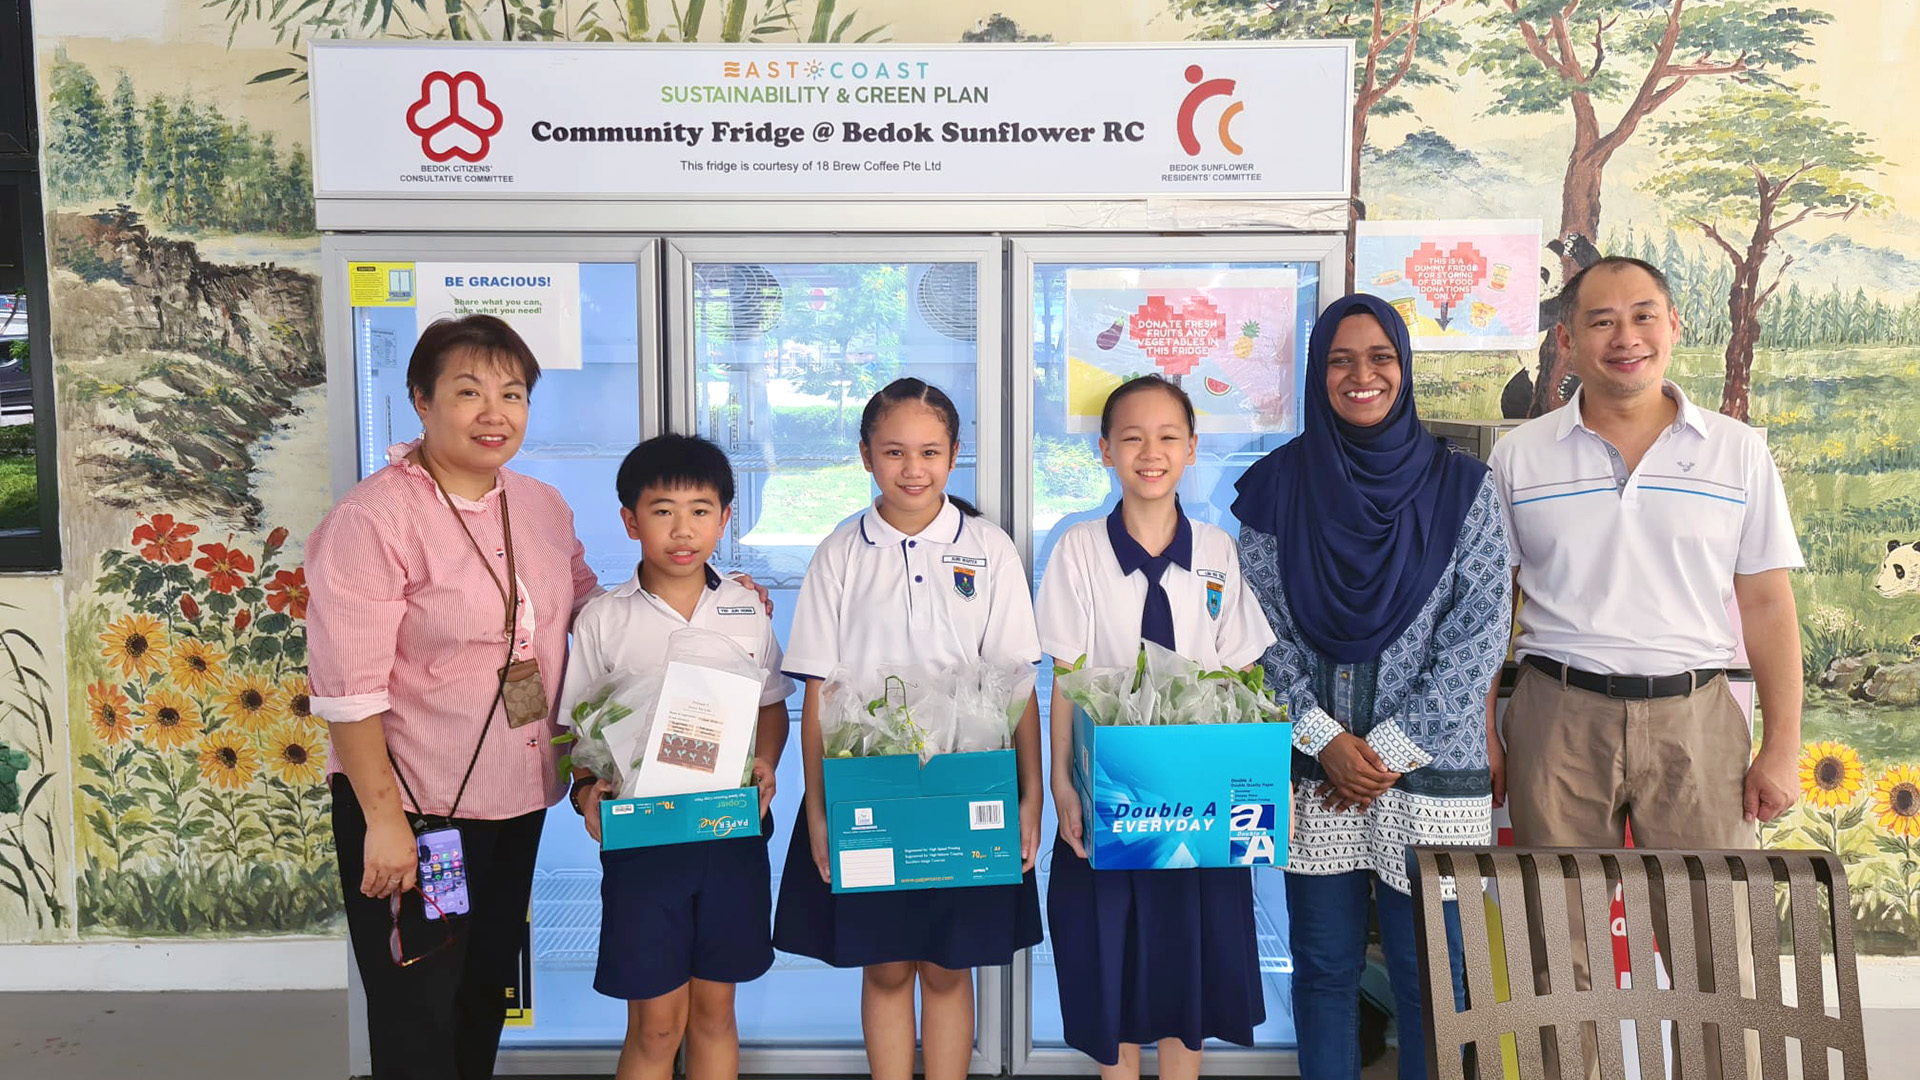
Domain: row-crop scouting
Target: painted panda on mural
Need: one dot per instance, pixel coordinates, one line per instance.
(1900, 574)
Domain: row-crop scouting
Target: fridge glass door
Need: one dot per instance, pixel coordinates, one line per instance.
(776, 346)
(1090, 314)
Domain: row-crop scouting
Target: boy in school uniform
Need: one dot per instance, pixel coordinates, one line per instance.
(680, 923)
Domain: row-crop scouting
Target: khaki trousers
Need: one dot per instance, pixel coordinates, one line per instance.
(1581, 766)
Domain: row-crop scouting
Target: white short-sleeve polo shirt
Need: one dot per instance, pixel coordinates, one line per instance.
(951, 595)
(627, 629)
(1632, 574)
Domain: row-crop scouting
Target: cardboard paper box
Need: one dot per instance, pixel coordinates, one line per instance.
(679, 819)
(1161, 798)
(893, 823)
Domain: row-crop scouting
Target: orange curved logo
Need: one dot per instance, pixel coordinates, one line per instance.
(453, 117)
(1204, 89)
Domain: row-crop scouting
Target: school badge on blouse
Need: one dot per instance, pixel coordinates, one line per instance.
(1214, 592)
(963, 581)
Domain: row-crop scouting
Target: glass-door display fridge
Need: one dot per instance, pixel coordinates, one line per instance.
(770, 346)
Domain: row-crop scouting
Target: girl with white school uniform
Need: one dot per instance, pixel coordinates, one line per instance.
(919, 579)
(1164, 957)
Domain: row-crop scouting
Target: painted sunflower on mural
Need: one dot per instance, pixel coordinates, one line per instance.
(1896, 801)
(250, 700)
(172, 721)
(294, 755)
(1831, 775)
(134, 644)
(228, 760)
(195, 665)
(110, 713)
(299, 698)
(227, 568)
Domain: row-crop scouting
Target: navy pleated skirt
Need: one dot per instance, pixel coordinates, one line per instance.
(1145, 955)
(979, 926)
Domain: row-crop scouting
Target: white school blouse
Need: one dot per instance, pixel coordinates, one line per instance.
(952, 595)
(1088, 606)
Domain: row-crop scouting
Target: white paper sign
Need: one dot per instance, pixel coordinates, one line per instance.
(541, 301)
(468, 121)
(702, 733)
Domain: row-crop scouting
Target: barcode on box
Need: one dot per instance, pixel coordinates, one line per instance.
(989, 815)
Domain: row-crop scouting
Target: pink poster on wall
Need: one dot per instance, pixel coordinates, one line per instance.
(1459, 285)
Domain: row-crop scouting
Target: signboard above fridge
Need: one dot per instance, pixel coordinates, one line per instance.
(1266, 121)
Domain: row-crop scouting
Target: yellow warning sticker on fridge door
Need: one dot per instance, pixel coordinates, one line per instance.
(380, 284)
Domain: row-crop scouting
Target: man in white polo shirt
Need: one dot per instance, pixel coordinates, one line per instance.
(1635, 517)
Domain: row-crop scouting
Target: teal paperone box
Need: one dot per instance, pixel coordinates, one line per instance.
(1186, 795)
(893, 823)
(679, 819)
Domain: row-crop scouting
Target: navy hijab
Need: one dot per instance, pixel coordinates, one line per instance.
(1366, 517)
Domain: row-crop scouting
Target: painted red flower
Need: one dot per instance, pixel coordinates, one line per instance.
(241, 620)
(226, 568)
(164, 540)
(276, 538)
(188, 607)
(289, 590)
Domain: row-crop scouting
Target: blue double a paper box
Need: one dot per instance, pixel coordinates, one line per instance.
(893, 823)
(679, 819)
(1162, 798)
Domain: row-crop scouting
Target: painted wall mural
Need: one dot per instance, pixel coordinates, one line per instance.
(1743, 145)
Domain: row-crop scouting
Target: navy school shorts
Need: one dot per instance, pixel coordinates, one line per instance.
(684, 911)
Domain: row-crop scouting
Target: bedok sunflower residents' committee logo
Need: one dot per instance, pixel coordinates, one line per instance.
(453, 117)
(1203, 90)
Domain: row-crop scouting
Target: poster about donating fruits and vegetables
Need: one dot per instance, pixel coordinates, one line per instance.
(1458, 284)
(1228, 337)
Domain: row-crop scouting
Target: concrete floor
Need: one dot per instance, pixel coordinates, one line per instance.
(290, 1035)
(301, 1035)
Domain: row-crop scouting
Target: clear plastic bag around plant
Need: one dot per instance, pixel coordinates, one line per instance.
(1164, 688)
(897, 710)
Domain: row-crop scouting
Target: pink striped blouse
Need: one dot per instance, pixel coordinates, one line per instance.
(404, 620)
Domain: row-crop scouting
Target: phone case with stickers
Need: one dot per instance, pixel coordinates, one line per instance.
(443, 873)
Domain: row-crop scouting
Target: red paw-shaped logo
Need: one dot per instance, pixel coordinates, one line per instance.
(453, 117)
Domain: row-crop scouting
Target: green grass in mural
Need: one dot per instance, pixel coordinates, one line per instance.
(19, 493)
(194, 899)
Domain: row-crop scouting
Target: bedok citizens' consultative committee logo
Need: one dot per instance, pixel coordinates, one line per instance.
(1205, 88)
(453, 117)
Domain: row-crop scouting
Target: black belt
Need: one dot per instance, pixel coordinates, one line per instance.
(1635, 687)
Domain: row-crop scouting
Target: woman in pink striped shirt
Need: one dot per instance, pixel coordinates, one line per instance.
(442, 589)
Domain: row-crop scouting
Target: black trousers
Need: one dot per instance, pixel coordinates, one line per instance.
(439, 1019)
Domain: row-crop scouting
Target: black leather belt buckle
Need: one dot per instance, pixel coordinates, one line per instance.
(1631, 687)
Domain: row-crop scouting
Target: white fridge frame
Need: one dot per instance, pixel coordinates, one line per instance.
(664, 261)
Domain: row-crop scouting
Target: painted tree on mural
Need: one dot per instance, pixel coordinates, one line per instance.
(1397, 43)
(180, 159)
(1572, 56)
(1758, 162)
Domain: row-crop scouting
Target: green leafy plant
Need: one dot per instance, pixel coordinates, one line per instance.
(28, 854)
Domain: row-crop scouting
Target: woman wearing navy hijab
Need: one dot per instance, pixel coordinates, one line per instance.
(1380, 558)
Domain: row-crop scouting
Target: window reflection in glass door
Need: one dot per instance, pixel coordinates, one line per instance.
(785, 356)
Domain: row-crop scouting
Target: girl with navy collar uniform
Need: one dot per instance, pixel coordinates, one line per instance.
(1164, 957)
(920, 579)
